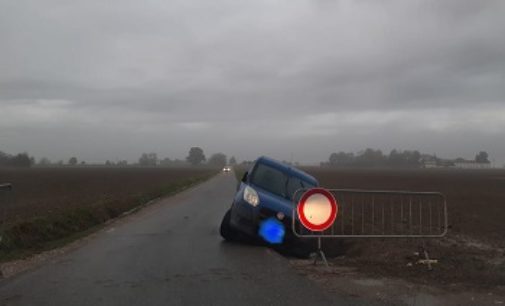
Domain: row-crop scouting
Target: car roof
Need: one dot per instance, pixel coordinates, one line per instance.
(292, 171)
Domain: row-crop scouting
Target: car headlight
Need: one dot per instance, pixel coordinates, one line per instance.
(251, 196)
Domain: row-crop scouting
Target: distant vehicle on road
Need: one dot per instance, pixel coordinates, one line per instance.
(227, 169)
(265, 192)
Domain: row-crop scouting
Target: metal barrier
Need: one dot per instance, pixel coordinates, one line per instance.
(382, 214)
(5, 187)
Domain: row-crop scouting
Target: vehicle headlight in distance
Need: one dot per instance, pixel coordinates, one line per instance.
(251, 196)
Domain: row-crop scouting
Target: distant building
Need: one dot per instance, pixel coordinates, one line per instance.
(470, 164)
(445, 163)
(430, 164)
(431, 161)
(428, 161)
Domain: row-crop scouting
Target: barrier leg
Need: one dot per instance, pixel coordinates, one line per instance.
(320, 254)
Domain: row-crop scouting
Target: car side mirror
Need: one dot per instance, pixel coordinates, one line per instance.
(244, 178)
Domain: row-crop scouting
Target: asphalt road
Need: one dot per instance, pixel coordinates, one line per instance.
(170, 253)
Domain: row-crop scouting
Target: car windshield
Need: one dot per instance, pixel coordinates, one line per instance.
(277, 182)
(295, 184)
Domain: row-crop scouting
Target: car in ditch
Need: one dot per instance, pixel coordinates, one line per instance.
(263, 204)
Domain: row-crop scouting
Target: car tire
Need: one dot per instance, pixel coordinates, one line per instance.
(226, 231)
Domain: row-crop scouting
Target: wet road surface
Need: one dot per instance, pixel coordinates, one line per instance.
(170, 253)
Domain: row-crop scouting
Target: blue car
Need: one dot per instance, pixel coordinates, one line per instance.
(262, 207)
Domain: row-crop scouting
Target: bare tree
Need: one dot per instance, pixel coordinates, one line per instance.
(195, 156)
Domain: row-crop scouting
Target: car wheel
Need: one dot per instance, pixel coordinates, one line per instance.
(226, 231)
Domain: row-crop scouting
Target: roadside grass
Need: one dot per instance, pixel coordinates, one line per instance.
(33, 235)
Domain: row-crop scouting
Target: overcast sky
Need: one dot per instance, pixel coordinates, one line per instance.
(112, 79)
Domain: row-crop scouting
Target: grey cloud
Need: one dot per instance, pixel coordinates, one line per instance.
(262, 71)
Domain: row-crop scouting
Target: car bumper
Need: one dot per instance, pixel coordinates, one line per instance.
(244, 218)
(247, 220)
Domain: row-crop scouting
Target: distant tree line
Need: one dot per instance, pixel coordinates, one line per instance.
(72, 162)
(196, 158)
(482, 157)
(375, 158)
(18, 160)
(396, 158)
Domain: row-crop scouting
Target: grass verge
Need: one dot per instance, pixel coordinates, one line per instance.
(27, 237)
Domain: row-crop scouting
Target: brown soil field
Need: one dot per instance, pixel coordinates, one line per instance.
(41, 191)
(471, 255)
(475, 198)
(51, 204)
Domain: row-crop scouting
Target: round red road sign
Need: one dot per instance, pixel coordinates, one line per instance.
(317, 209)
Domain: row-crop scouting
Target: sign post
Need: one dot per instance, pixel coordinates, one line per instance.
(317, 210)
